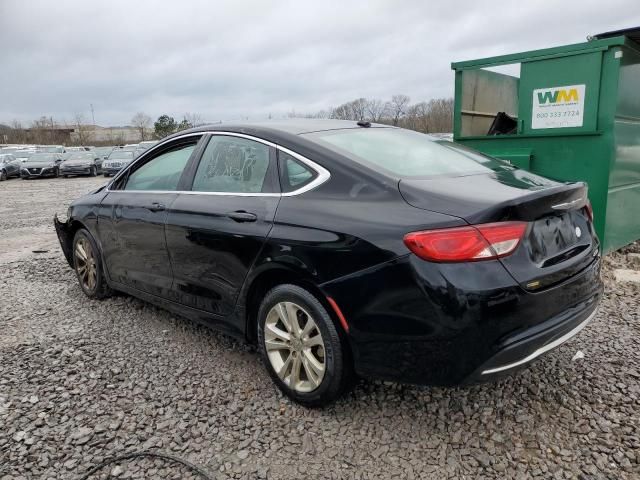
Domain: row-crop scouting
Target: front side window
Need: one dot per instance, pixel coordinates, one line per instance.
(162, 172)
(293, 173)
(232, 165)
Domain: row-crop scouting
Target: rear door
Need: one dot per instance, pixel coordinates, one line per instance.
(132, 218)
(216, 230)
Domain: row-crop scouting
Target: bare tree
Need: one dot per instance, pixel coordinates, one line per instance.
(194, 119)
(319, 114)
(436, 115)
(83, 133)
(376, 110)
(353, 110)
(417, 117)
(142, 122)
(17, 133)
(441, 114)
(398, 107)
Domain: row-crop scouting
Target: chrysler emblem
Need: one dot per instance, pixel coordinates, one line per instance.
(578, 232)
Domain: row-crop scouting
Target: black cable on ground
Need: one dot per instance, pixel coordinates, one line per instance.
(146, 453)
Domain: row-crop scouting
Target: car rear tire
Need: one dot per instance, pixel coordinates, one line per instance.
(3, 175)
(92, 172)
(106, 174)
(87, 264)
(56, 172)
(301, 347)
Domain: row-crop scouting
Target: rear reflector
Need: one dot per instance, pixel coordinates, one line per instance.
(336, 308)
(467, 244)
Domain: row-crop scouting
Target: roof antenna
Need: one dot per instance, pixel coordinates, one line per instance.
(364, 124)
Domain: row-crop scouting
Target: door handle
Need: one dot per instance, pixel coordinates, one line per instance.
(156, 207)
(242, 216)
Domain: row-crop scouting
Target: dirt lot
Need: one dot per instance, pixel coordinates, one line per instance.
(84, 380)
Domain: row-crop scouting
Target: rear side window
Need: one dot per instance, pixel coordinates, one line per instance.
(405, 154)
(162, 172)
(293, 173)
(232, 165)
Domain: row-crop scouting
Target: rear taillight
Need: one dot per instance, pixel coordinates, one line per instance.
(467, 244)
(589, 209)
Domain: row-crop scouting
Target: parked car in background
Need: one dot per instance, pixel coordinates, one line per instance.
(51, 149)
(131, 147)
(117, 160)
(9, 166)
(103, 152)
(341, 247)
(41, 165)
(23, 155)
(81, 163)
(77, 149)
(143, 147)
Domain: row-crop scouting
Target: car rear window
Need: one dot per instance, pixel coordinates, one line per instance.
(404, 153)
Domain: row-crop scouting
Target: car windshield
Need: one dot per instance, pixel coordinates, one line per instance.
(23, 154)
(81, 156)
(406, 154)
(103, 150)
(50, 149)
(42, 157)
(121, 155)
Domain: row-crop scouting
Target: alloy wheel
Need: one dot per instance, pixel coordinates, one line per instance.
(86, 264)
(295, 347)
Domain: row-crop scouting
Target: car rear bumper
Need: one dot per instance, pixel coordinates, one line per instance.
(517, 353)
(450, 324)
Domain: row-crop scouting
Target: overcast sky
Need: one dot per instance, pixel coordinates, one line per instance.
(238, 59)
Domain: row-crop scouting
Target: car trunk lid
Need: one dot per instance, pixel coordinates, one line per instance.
(559, 241)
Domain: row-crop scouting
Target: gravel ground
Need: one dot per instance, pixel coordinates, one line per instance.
(84, 380)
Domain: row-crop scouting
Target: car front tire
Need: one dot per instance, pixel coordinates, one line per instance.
(87, 264)
(3, 175)
(92, 172)
(302, 348)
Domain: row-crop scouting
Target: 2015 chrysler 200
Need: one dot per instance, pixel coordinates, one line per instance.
(345, 249)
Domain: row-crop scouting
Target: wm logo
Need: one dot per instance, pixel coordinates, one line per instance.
(558, 96)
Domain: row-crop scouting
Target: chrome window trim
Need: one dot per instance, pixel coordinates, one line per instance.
(323, 173)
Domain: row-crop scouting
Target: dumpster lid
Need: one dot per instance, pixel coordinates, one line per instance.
(632, 33)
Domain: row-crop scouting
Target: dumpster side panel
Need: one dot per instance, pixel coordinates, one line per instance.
(623, 221)
(570, 83)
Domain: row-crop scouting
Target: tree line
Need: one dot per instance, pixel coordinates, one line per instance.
(434, 116)
(48, 131)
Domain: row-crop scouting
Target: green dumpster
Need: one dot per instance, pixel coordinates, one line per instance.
(569, 113)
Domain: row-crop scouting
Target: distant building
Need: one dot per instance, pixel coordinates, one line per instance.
(112, 135)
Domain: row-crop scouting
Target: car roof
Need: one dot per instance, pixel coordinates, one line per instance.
(294, 126)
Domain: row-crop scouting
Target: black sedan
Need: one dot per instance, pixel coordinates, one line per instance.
(345, 250)
(81, 163)
(41, 165)
(9, 166)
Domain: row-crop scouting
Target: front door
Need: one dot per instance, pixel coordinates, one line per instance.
(216, 230)
(133, 214)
